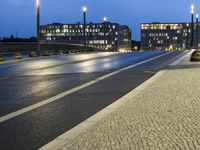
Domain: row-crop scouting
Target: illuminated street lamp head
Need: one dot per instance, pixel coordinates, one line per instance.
(84, 9)
(197, 16)
(105, 19)
(37, 3)
(192, 9)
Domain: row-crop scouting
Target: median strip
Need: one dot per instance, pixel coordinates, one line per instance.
(61, 95)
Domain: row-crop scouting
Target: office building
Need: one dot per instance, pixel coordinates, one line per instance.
(169, 36)
(105, 36)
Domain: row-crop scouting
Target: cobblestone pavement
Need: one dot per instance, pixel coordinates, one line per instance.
(166, 115)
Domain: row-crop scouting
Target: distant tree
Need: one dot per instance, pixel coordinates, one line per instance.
(12, 39)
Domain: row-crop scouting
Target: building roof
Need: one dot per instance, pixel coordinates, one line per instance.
(167, 23)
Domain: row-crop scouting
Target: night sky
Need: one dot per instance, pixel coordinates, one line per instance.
(19, 15)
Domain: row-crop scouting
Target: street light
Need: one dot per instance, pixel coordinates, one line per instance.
(104, 22)
(105, 19)
(197, 30)
(195, 54)
(192, 9)
(192, 26)
(38, 26)
(197, 17)
(84, 9)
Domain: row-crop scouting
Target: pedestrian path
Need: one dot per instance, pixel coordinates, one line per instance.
(163, 113)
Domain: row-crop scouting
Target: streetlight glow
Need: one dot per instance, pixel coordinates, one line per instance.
(84, 9)
(105, 19)
(37, 3)
(197, 15)
(192, 9)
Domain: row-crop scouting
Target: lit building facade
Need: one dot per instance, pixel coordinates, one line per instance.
(106, 35)
(169, 36)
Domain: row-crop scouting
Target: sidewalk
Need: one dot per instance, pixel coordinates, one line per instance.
(163, 113)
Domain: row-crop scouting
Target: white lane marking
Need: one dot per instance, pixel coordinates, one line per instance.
(61, 95)
(181, 59)
(172, 61)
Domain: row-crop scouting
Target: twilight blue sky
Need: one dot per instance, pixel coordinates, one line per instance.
(19, 15)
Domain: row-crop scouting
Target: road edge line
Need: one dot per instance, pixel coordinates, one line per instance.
(181, 59)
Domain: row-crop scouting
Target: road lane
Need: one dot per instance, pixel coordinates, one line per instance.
(20, 67)
(27, 89)
(100, 65)
(36, 128)
(22, 91)
(73, 90)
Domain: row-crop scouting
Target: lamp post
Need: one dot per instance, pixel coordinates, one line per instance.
(187, 40)
(168, 43)
(104, 22)
(192, 26)
(38, 26)
(197, 30)
(84, 9)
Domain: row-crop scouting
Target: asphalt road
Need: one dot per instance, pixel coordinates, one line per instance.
(27, 83)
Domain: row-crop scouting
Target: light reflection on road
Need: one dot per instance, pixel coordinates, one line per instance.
(20, 67)
(98, 65)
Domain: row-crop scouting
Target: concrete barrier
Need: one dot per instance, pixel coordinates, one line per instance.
(10, 47)
(33, 54)
(2, 58)
(66, 52)
(45, 53)
(195, 56)
(18, 56)
(57, 52)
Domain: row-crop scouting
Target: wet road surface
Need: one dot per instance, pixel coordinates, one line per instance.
(22, 87)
